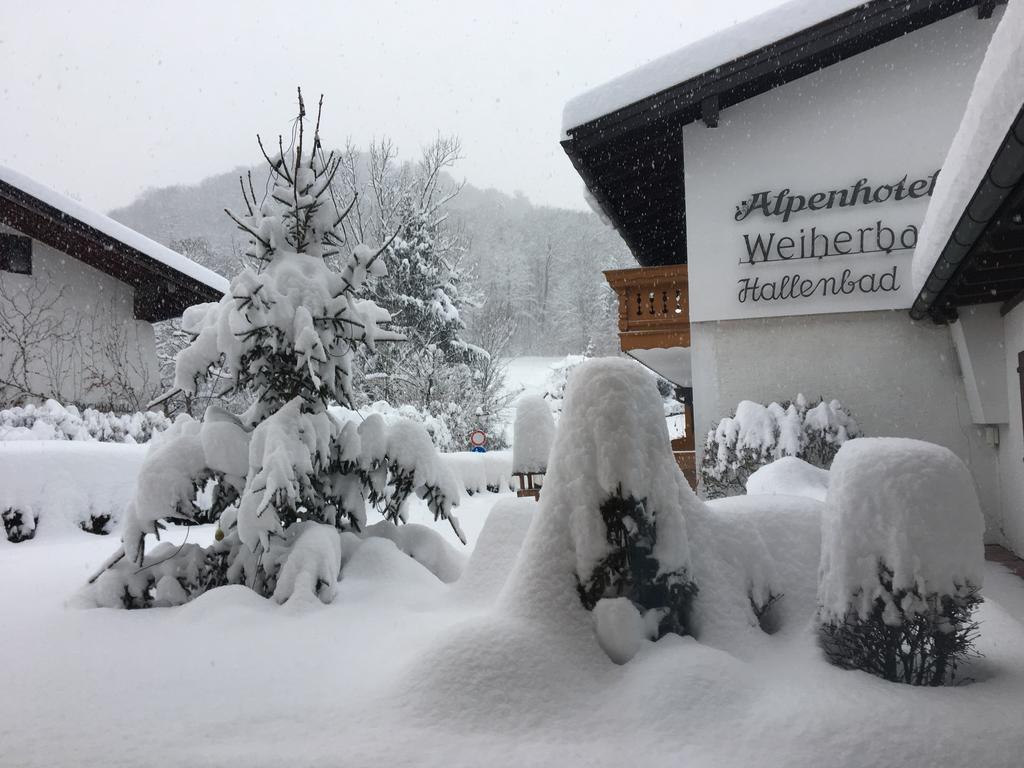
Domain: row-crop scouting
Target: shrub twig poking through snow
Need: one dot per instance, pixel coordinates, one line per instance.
(287, 331)
(757, 435)
(626, 495)
(901, 561)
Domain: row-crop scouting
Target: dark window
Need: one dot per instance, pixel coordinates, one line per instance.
(16, 254)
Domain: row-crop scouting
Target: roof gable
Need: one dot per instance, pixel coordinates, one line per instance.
(165, 282)
(631, 158)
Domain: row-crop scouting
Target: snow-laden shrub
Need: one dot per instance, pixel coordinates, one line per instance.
(901, 561)
(613, 473)
(479, 472)
(287, 331)
(757, 435)
(437, 428)
(68, 486)
(53, 421)
(533, 432)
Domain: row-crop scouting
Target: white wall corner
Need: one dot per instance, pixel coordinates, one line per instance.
(978, 338)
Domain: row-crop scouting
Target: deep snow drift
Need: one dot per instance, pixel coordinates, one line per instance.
(404, 669)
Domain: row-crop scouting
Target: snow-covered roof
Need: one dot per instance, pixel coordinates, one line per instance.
(113, 229)
(992, 109)
(701, 56)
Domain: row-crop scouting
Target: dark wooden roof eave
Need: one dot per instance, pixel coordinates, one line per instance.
(597, 148)
(161, 292)
(983, 259)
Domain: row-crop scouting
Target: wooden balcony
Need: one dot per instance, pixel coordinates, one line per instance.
(654, 306)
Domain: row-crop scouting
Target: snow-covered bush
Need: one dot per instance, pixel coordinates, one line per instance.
(757, 435)
(533, 432)
(53, 421)
(901, 561)
(613, 473)
(287, 331)
(479, 472)
(67, 486)
(436, 427)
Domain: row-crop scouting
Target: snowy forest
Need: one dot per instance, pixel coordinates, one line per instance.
(533, 270)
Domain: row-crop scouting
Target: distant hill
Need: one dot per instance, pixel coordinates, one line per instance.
(546, 261)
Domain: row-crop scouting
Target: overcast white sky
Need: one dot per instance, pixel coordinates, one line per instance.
(104, 99)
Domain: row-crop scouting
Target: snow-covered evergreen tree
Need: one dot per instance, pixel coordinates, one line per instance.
(612, 466)
(287, 331)
(436, 370)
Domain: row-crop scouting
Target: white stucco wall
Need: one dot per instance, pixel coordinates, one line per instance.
(1011, 436)
(897, 378)
(91, 349)
(882, 120)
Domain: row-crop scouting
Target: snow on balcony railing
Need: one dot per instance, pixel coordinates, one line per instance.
(654, 306)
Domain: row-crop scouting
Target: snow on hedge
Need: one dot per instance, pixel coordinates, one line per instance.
(905, 504)
(533, 433)
(66, 484)
(789, 476)
(53, 421)
(478, 472)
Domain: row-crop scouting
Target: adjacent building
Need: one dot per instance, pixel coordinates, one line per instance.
(771, 182)
(79, 293)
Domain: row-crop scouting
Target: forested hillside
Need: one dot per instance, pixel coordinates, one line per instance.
(537, 268)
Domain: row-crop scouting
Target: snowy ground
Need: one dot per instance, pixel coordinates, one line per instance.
(404, 670)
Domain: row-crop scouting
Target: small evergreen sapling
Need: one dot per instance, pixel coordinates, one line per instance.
(287, 333)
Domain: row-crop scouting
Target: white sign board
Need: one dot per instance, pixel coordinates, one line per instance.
(808, 198)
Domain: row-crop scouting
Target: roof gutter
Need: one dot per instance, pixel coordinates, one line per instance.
(1004, 173)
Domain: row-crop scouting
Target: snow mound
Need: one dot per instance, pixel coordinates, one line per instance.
(905, 504)
(424, 545)
(533, 434)
(64, 483)
(496, 550)
(789, 476)
(991, 109)
(747, 549)
(379, 561)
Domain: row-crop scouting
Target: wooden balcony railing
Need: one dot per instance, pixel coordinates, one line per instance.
(654, 306)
